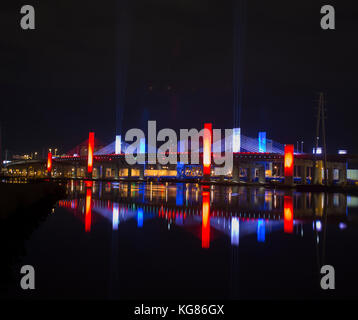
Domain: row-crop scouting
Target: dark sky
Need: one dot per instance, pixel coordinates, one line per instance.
(59, 81)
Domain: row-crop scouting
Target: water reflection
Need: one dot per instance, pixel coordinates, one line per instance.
(288, 214)
(235, 212)
(88, 214)
(205, 233)
(138, 240)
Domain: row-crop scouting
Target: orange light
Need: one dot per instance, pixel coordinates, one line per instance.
(88, 210)
(288, 214)
(207, 148)
(90, 152)
(205, 230)
(49, 162)
(289, 160)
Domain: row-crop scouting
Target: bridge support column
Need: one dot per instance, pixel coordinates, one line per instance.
(262, 176)
(303, 174)
(270, 168)
(249, 174)
(317, 172)
(101, 172)
(116, 173)
(236, 171)
(289, 181)
(129, 172)
(343, 175)
(141, 172)
(330, 176)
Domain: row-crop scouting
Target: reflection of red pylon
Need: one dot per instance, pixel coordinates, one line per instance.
(205, 231)
(88, 210)
(288, 214)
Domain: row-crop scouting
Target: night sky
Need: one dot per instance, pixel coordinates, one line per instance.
(59, 81)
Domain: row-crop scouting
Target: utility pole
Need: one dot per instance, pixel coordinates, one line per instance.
(321, 122)
(324, 138)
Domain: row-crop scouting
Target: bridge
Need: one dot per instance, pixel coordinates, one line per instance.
(267, 161)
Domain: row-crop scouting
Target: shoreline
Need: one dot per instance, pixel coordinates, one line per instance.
(346, 189)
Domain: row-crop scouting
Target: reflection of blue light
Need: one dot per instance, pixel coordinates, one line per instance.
(115, 221)
(261, 231)
(235, 231)
(180, 194)
(140, 218)
(318, 226)
(342, 226)
(236, 140)
(179, 221)
(262, 141)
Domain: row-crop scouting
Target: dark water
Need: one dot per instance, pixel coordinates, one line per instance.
(148, 241)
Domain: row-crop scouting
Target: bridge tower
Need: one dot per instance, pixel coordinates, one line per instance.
(239, 32)
(122, 52)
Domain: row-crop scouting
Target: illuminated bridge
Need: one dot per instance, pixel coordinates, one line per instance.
(259, 161)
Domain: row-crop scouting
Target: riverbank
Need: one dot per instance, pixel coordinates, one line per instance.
(16, 197)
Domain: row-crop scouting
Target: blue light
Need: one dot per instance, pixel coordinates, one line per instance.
(142, 146)
(236, 143)
(118, 147)
(180, 169)
(235, 232)
(262, 142)
(140, 218)
(261, 231)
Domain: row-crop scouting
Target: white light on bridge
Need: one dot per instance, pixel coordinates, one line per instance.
(236, 140)
(319, 151)
(118, 148)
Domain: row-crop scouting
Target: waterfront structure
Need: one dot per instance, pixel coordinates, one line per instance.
(279, 165)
